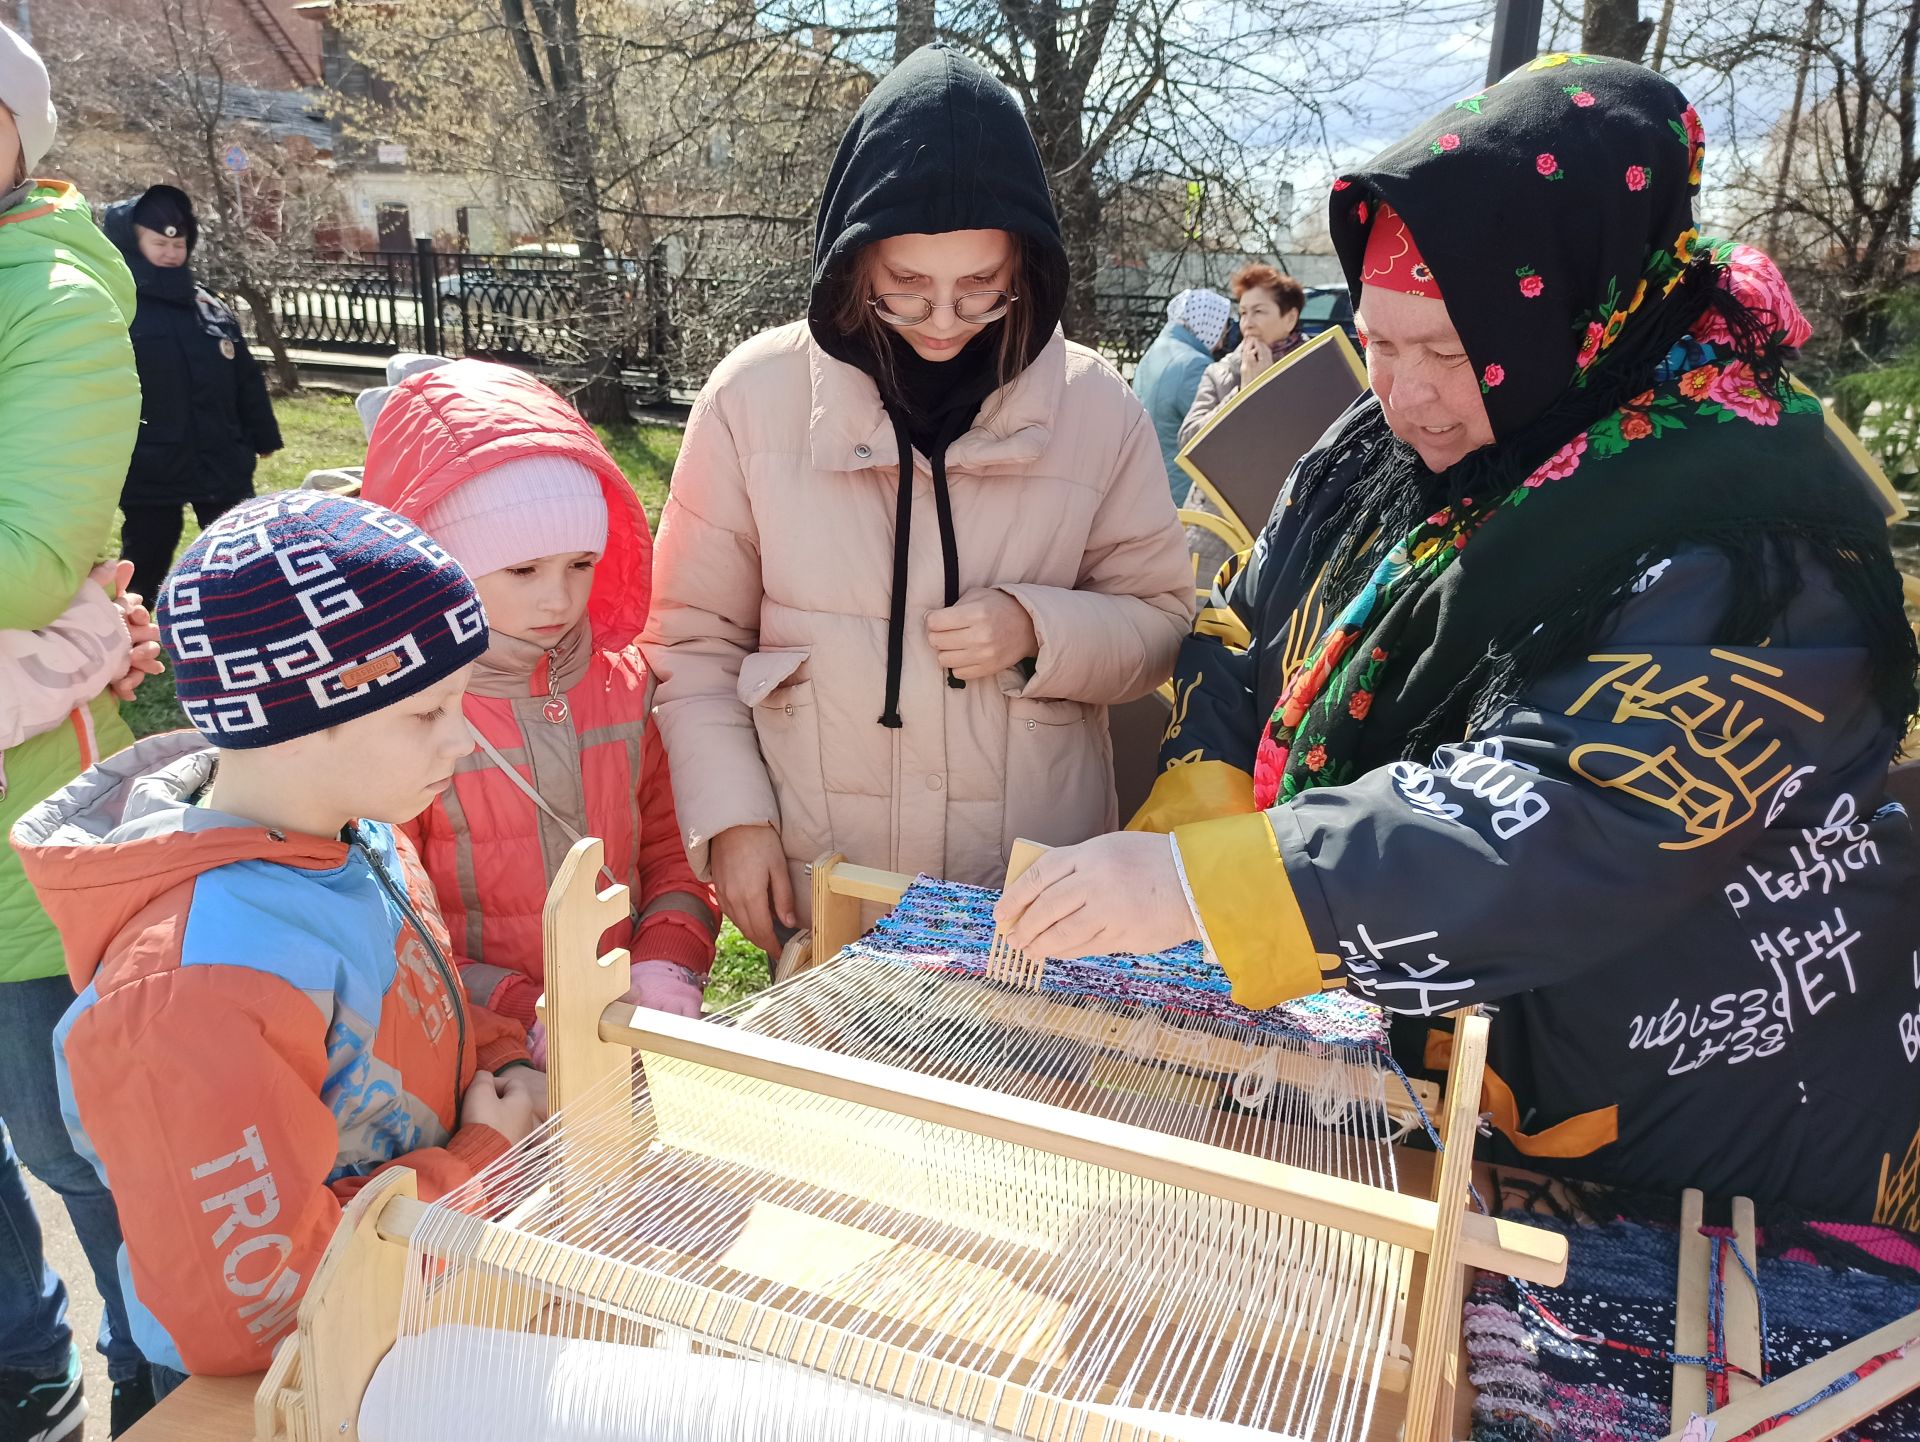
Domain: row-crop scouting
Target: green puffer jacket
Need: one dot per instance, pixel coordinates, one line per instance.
(69, 406)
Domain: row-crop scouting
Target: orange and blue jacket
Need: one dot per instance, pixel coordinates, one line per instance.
(264, 1021)
(589, 748)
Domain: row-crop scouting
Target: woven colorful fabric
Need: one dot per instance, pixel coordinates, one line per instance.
(946, 926)
(1588, 1361)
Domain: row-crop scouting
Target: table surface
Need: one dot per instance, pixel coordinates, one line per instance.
(204, 1409)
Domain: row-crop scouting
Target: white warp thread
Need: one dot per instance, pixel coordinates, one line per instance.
(473, 1384)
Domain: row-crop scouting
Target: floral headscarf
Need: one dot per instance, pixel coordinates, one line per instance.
(1550, 207)
(1599, 322)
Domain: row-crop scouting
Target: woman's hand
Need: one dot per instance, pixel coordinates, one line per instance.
(667, 985)
(749, 869)
(982, 634)
(1113, 894)
(143, 659)
(1255, 357)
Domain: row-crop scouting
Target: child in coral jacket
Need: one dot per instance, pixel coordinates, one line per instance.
(267, 1013)
(516, 486)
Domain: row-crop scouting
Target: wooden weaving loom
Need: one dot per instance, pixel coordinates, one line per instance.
(812, 1221)
(858, 1235)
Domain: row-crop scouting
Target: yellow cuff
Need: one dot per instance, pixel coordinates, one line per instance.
(1196, 791)
(1246, 905)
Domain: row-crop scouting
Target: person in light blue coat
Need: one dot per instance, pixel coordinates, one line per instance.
(1169, 374)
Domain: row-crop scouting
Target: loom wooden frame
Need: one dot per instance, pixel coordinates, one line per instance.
(350, 1316)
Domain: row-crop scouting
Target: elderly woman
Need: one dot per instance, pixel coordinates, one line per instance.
(1169, 373)
(1574, 670)
(1270, 304)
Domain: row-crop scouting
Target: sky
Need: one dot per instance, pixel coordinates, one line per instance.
(1434, 69)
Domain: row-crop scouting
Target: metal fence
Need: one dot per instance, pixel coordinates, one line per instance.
(545, 308)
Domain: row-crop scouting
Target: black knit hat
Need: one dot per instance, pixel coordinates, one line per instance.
(166, 210)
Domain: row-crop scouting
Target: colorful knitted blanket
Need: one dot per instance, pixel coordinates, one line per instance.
(945, 926)
(1590, 1361)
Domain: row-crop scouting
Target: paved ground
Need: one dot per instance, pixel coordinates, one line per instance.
(83, 1302)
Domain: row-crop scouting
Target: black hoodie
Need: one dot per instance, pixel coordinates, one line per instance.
(940, 145)
(204, 411)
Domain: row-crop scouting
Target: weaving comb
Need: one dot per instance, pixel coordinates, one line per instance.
(1004, 963)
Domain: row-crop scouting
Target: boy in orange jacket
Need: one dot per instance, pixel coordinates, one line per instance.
(506, 476)
(267, 1012)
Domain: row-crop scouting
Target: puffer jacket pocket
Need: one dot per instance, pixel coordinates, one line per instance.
(1059, 772)
(788, 726)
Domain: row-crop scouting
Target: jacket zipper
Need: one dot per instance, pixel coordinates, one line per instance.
(555, 709)
(398, 894)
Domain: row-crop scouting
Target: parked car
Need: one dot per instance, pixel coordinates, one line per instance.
(538, 263)
(1326, 307)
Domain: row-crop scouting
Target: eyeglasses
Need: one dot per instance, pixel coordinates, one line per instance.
(977, 308)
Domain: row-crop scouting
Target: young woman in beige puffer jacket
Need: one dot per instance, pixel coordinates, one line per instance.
(909, 661)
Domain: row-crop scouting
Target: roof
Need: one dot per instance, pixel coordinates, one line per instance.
(1165, 271)
(283, 114)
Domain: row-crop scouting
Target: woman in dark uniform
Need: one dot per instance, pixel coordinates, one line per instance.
(204, 413)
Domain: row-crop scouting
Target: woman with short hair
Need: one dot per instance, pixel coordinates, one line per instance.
(1270, 305)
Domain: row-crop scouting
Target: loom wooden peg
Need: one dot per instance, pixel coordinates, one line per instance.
(836, 916)
(1436, 1357)
(581, 982)
(1690, 1311)
(1745, 1346)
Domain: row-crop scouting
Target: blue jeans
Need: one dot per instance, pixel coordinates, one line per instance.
(34, 1336)
(30, 1102)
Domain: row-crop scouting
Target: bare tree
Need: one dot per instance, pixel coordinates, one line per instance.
(1614, 27)
(162, 98)
(913, 27)
(553, 67)
(1830, 179)
(626, 129)
(1160, 94)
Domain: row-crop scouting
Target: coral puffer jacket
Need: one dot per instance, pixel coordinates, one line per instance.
(590, 752)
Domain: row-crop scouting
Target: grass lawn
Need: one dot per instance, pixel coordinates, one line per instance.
(322, 430)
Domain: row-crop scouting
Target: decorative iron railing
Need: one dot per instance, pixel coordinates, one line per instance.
(552, 310)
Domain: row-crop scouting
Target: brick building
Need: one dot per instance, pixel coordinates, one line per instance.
(272, 47)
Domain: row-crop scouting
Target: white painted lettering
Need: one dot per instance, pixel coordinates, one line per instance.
(276, 1309)
(1528, 807)
(1809, 983)
(279, 1243)
(239, 1213)
(250, 1151)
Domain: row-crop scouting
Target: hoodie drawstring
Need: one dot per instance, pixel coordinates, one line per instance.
(902, 538)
